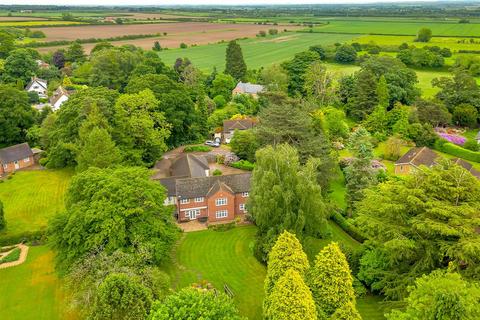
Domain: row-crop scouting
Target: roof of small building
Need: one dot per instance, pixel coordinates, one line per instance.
(14, 153)
(418, 156)
(239, 124)
(57, 94)
(466, 165)
(41, 82)
(201, 187)
(249, 88)
(189, 165)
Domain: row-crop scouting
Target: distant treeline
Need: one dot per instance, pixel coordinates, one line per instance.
(90, 40)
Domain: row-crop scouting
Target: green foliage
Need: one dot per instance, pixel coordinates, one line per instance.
(243, 164)
(222, 85)
(421, 57)
(393, 148)
(274, 78)
(197, 149)
(7, 44)
(465, 115)
(121, 297)
(286, 254)
(458, 151)
(346, 312)
(191, 303)
(244, 144)
(365, 97)
(472, 144)
(97, 150)
(319, 84)
(284, 196)
(419, 224)
(462, 88)
(19, 65)
(16, 115)
(3, 222)
(296, 69)
(346, 54)
(424, 35)
(422, 135)
(235, 65)
(333, 122)
(432, 112)
(157, 46)
(290, 299)
(441, 295)
(12, 256)
(217, 172)
(347, 226)
(75, 53)
(113, 209)
(382, 92)
(330, 280)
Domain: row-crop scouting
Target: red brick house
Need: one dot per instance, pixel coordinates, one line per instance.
(15, 157)
(197, 195)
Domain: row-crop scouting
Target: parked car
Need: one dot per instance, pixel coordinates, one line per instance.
(212, 143)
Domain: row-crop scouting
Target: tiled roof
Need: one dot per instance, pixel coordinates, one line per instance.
(189, 165)
(249, 88)
(418, 156)
(217, 186)
(14, 153)
(240, 124)
(466, 165)
(41, 82)
(60, 92)
(200, 187)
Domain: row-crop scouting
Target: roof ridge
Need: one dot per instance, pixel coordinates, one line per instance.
(414, 157)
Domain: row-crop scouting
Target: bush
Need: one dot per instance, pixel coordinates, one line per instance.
(261, 34)
(12, 256)
(472, 145)
(222, 226)
(243, 164)
(346, 54)
(22, 237)
(217, 172)
(197, 149)
(183, 45)
(457, 151)
(348, 227)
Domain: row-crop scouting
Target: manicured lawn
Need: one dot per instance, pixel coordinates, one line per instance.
(30, 198)
(222, 258)
(32, 291)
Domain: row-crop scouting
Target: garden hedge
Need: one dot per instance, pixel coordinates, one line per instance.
(458, 151)
(348, 227)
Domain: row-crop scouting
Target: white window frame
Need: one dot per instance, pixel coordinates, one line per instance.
(220, 214)
(245, 194)
(242, 207)
(26, 159)
(221, 202)
(184, 201)
(199, 199)
(193, 212)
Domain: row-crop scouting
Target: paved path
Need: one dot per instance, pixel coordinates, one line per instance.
(23, 257)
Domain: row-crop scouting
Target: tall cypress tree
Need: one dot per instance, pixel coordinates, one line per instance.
(3, 223)
(235, 65)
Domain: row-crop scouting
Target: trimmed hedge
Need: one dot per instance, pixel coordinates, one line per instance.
(6, 240)
(457, 151)
(348, 227)
(243, 164)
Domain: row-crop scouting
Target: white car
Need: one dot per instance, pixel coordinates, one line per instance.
(212, 143)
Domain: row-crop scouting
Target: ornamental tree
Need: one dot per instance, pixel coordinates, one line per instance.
(290, 299)
(346, 312)
(331, 281)
(192, 303)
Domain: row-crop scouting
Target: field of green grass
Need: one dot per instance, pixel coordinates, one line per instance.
(32, 291)
(30, 198)
(257, 52)
(398, 27)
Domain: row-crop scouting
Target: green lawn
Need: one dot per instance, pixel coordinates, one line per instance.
(32, 291)
(222, 258)
(258, 52)
(30, 198)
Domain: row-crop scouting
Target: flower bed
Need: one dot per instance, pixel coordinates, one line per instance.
(453, 138)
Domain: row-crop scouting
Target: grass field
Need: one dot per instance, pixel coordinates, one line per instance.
(32, 291)
(30, 198)
(257, 52)
(398, 27)
(39, 23)
(223, 258)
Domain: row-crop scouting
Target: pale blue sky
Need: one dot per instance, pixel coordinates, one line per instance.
(186, 2)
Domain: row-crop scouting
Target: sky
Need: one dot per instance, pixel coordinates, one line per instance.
(186, 2)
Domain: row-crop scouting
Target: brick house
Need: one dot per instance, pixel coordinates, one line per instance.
(197, 195)
(15, 157)
(247, 88)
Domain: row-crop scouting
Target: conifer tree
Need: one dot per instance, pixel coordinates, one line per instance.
(290, 299)
(287, 253)
(3, 223)
(331, 281)
(382, 92)
(235, 65)
(346, 312)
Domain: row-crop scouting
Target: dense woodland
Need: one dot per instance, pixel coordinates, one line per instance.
(420, 233)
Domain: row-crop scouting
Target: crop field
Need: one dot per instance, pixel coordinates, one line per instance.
(21, 19)
(398, 27)
(30, 198)
(257, 52)
(32, 291)
(36, 23)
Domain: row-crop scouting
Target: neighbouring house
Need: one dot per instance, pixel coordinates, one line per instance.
(414, 158)
(58, 97)
(198, 195)
(247, 88)
(39, 86)
(42, 64)
(467, 166)
(229, 127)
(16, 157)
